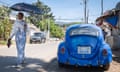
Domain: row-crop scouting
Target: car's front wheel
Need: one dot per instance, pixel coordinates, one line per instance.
(43, 40)
(106, 67)
(40, 42)
(31, 42)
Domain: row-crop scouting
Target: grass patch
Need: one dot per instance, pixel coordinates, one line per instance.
(2, 42)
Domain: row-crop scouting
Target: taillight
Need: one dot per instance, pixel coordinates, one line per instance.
(104, 52)
(62, 50)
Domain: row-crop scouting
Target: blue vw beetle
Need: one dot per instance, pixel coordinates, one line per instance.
(84, 45)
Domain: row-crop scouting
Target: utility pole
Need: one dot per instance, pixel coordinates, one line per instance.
(87, 15)
(85, 10)
(101, 7)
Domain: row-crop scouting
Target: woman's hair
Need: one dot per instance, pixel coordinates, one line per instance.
(20, 13)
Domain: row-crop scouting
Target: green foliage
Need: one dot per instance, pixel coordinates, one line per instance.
(37, 20)
(72, 23)
(2, 42)
(56, 31)
(46, 20)
(5, 28)
(5, 24)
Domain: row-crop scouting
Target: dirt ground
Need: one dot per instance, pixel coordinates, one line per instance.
(43, 58)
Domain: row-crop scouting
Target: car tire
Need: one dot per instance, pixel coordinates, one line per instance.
(106, 67)
(31, 42)
(43, 40)
(40, 42)
(60, 65)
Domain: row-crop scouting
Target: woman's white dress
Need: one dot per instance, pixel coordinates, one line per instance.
(19, 30)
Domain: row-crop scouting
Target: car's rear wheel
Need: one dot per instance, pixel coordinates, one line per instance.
(60, 65)
(106, 67)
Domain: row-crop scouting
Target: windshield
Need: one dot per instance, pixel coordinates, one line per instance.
(37, 34)
(84, 31)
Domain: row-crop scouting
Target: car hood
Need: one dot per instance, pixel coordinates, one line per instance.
(35, 37)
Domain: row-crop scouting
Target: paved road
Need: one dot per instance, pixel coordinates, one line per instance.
(42, 58)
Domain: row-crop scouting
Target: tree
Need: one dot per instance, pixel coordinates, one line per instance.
(55, 30)
(45, 20)
(5, 24)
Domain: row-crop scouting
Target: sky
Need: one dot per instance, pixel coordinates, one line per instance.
(71, 10)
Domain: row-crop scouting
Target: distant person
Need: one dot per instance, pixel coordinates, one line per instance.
(19, 30)
(106, 30)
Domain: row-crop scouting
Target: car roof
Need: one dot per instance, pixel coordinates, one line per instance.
(93, 26)
(83, 25)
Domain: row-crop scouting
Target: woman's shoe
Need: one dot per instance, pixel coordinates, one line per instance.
(18, 66)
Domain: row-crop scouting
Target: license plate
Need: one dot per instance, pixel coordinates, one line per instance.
(84, 50)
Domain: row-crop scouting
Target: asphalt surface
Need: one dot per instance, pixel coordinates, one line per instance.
(43, 58)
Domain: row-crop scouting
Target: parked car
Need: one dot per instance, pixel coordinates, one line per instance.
(84, 45)
(38, 37)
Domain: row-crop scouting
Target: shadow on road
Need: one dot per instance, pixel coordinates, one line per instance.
(72, 69)
(116, 53)
(37, 65)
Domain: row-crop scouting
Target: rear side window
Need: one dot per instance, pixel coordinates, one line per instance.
(84, 31)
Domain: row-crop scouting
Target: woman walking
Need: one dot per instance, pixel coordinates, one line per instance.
(19, 30)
